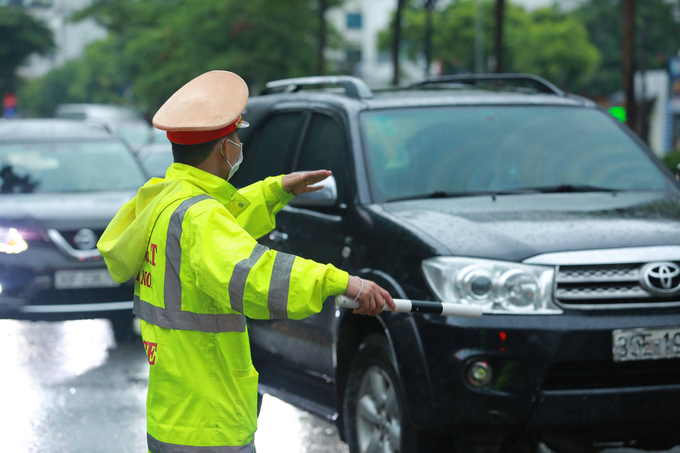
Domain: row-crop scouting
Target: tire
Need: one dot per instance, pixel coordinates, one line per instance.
(373, 410)
(122, 327)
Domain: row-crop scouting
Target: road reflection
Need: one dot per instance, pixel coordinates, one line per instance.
(68, 387)
(284, 429)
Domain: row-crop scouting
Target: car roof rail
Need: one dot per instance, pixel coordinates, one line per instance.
(538, 83)
(353, 86)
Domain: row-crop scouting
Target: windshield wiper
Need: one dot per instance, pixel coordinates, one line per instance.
(443, 194)
(562, 188)
(566, 188)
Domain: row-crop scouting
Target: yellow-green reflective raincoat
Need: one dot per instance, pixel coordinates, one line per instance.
(189, 240)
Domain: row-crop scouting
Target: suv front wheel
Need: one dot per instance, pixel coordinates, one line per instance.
(375, 419)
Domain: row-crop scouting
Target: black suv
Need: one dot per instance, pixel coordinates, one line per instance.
(500, 191)
(61, 183)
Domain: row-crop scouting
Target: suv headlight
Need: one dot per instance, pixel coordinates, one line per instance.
(11, 241)
(498, 286)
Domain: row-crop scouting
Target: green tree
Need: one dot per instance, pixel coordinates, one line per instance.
(658, 28)
(155, 46)
(553, 45)
(22, 35)
(547, 42)
(39, 97)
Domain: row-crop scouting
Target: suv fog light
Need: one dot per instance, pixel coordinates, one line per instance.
(479, 374)
(0, 289)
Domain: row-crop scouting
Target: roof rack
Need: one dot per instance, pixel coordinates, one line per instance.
(353, 86)
(540, 84)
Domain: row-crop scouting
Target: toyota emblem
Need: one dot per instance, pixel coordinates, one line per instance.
(662, 279)
(85, 239)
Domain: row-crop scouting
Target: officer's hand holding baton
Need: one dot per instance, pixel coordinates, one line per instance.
(370, 297)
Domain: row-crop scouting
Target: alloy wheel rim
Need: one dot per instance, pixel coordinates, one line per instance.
(378, 418)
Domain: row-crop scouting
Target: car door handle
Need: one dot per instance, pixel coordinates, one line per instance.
(278, 236)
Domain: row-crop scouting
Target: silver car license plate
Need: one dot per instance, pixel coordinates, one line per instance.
(646, 344)
(99, 278)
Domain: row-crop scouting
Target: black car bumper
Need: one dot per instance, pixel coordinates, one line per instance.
(553, 375)
(28, 288)
(16, 309)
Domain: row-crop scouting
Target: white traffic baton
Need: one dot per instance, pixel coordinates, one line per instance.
(414, 306)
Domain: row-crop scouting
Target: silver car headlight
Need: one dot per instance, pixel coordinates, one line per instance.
(498, 286)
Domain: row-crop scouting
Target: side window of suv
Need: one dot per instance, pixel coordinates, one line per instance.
(325, 148)
(270, 148)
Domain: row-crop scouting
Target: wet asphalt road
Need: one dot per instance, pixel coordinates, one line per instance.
(67, 387)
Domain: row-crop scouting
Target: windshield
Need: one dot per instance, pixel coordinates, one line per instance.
(136, 134)
(67, 167)
(420, 151)
(157, 163)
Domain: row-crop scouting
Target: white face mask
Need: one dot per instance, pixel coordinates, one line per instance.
(234, 167)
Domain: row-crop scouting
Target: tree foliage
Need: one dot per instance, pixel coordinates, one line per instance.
(547, 42)
(658, 29)
(155, 46)
(22, 35)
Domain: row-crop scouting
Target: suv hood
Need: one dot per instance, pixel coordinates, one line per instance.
(62, 210)
(516, 227)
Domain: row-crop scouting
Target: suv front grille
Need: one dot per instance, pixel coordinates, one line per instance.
(604, 286)
(69, 236)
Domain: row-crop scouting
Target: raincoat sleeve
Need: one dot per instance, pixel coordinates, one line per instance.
(246, 277)
(266, 199)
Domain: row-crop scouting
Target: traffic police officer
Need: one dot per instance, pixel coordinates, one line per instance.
(190, 242)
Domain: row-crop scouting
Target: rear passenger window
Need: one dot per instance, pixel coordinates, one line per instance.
(325, 148)
(270, 149)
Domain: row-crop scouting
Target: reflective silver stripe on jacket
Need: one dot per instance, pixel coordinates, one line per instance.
(186, 320)
(237, 284)
(172, 316)
(278, 286)
(172, 291)
(156, 446)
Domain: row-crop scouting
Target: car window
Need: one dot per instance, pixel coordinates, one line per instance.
(468, 149)
(156, 163)
(325, 148)
(136, 134)
(160, 138)
(270, 150)
(68, 167)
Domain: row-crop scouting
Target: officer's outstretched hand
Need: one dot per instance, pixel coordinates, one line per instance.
(301, 182)
(372, 298)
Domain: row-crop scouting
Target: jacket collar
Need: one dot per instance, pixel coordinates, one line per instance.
(214, 186)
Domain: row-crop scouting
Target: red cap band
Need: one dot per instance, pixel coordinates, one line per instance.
(196, 137)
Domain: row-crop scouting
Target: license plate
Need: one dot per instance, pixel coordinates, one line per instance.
(99, 278)
(646, 344)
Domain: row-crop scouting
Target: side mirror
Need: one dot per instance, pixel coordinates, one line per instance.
(324, 198)
(677, 172)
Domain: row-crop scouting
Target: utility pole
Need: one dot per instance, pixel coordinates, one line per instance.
(500, 18)
(479, 38)
(320, 57)
(642, 125)
(629, 62)
(396, 41)
(429, 8)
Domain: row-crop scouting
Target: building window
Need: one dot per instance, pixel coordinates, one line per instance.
(354, 20)
(353, 55)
